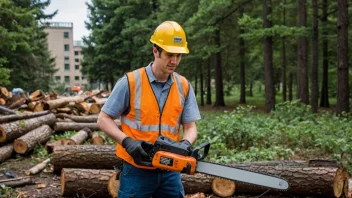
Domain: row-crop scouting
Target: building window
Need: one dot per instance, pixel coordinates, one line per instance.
(67, 47)
(58, 78)
(67, 67)
(67, 59)
(76, 67)
(67, 79)
(76, 60)
(76, 53)
(76, 77)
(66, 35)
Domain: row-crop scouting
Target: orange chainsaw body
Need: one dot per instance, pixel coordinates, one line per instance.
(174, 162)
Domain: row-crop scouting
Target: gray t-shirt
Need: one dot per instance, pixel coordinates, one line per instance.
(118, 101)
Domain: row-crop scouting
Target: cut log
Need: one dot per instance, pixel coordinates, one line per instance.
(61, 102)
(339, 181)
(50, 145)
(6, 152)
(349, 188)
(4, 93)
(197, 183)
(9, 118)
(79, 137)
(97, 139)
(85, 182)
(53, 94)
(113, 185)
(223, 187)
(38, 93)
(85, 156)
(30, 140)
(37, 168)
(13, 130)
(75, 126)
(64, 110)
(5, 110)
(90, 118)
(16, 182)
(2, 101)
(17, 103)
(95, 108)
(306, 181)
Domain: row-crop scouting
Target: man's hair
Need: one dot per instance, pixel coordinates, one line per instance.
(158, 48)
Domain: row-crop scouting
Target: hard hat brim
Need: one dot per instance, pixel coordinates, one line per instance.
(174, 49)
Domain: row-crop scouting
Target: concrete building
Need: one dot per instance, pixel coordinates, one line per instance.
(67, 53)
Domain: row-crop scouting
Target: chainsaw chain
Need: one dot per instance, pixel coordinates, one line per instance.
(267, 174)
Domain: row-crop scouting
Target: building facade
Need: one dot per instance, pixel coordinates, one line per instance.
(67, 53)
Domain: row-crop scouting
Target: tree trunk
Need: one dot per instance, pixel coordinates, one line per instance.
(283, 54)
(324, 99)
(343, 90)
(75, 126)
(30, 140)
(290, 86)
(219, 88)
(315, 59)
(85, 156)
(13, 130)
(5, 110)
(208, 99)
(53, 104)
(85, 182)
(268, 60)
(6, 152)
(302, 67)
(90, 118)
(9, 118)
(79, 137)
(201, 85)
(196, 85)
(242, 54)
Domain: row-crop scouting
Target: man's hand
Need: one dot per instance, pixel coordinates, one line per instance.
(136, 149)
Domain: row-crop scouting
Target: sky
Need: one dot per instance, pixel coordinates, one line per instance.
(74, 11)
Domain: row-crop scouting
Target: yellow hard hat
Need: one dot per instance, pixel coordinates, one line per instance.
(171, 37)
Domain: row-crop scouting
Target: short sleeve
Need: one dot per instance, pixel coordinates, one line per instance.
(190, 111)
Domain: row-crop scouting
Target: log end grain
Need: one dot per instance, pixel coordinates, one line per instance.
(97, 140)
(20, 146)
(2, 134)
(223, 187)
(69, 142)
(113, 185)
(339, 181)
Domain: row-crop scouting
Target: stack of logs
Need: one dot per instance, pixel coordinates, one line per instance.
(88, 170)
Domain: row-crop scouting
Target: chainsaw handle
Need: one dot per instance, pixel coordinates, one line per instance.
(199, 156)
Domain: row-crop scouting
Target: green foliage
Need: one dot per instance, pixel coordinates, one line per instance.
(65, 135)
(40, 151)
(290, 130)
(6, 191)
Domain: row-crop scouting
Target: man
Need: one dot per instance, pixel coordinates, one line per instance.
(152, 101)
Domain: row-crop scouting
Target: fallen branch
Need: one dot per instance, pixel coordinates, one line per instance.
(6, 110)
(9, 118)
(37, 168)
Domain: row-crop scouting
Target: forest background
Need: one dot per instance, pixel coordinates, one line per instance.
(287, 57)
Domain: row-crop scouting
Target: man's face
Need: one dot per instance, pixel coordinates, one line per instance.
(166, 62)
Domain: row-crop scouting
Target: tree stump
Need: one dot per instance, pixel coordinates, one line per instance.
(85, 182)
(29, 141)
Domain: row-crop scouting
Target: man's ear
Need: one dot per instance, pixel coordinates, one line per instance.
(155, 52)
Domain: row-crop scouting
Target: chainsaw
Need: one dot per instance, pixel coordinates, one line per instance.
(176, 156)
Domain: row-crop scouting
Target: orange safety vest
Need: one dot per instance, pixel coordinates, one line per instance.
(144, 121)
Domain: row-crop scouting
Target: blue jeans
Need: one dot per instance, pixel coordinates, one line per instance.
(144, 183)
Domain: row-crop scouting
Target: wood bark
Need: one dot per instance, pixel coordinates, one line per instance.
(314, 181)
(37, 168)
(268, 60)
(61, 102)
(75, 126)
(13, 130)
(16, 182)
(315, 59)
(85, 182)
(30, 140)
(79, 137)
(9, 118)
(324, 98)
(17, 103)
(283, 56)
(113, 185)
(343, 90)
(242, 54)
(5, 110)
(219, 87)
(6, 152)
(85, 156)
(90, 118)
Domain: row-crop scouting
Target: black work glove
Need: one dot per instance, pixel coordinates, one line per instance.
(137, 150)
